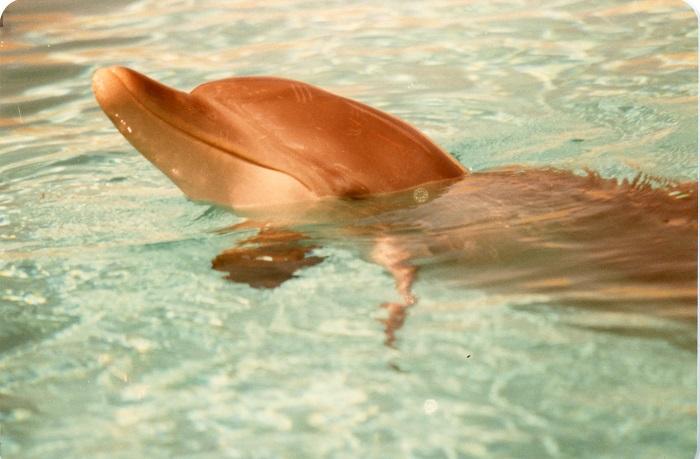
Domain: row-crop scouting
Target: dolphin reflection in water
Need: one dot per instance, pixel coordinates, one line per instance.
(309, 168)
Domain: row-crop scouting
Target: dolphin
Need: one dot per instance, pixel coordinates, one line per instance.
(260, 142)
(256, 141)
(540, 235)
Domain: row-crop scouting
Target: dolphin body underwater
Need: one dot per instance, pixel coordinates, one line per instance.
(310, 168)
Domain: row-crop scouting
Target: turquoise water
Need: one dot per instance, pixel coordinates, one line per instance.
(117, 339)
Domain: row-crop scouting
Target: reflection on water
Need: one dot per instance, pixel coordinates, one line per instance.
(573, 298)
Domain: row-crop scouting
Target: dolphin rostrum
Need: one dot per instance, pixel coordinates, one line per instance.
(254, 141)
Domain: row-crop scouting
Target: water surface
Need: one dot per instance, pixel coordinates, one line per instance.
(117, 339)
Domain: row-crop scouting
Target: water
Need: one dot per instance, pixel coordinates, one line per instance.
(118, 339)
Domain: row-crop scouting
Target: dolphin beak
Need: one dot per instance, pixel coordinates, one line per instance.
(113, 86)
(128, 97)
(109, 84)
(153, 118)
(118, 91)
(107, 88)
(103, 81)
(190, 140)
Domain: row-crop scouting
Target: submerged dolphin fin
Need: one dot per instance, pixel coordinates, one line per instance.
(267, 259)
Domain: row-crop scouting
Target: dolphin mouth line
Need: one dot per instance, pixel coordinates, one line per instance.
(196, 137)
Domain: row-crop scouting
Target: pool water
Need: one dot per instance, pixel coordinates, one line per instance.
(118, 339)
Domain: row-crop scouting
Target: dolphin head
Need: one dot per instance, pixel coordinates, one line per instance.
(256, 141)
